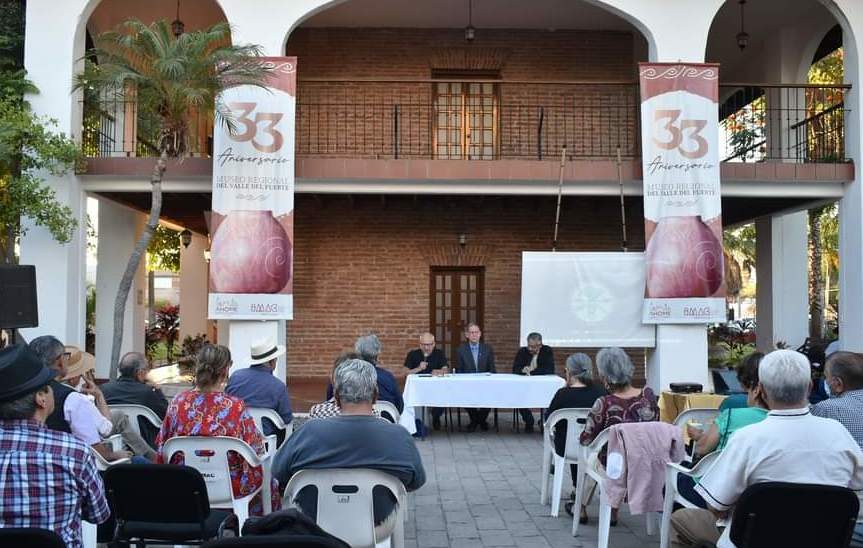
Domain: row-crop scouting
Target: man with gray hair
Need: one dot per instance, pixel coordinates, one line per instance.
(354, 439)
(790, 445)
(369, 349)
(132, 388)
(534, 359)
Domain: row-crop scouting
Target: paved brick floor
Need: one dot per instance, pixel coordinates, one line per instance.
(483, 490)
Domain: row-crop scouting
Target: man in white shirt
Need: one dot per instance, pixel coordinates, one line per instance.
(790, 445)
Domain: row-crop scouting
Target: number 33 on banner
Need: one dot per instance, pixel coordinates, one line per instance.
(271, 119)
(665, 120)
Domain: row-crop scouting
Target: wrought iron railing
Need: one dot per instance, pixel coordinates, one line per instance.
(800, 123)
(386, 119)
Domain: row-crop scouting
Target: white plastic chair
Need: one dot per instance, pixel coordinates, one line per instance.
(209, 455)
(702, 415)
(116, 442)
(133, 411)
(261, 413)
(386, 407)
(589, 466)
(672, 471)
(345, 507)
(574, 425)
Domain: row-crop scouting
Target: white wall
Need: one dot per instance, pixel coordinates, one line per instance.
(193, 288)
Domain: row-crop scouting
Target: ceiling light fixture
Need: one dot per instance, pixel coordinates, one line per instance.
(742, 36)
(469, 30)
(177, 26)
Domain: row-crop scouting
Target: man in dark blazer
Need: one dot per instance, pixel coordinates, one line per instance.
(533, 359)
(475, 357)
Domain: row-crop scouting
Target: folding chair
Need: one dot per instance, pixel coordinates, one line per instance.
(387, 411)
(345, 506)
(672, 471)
(794, 515)
(30, 537)
(161, 504)
(575, 419)
(209, 455)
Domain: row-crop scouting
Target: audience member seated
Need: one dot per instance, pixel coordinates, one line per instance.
(132, 388)
(49, 479)
(790, 445)
(329, 407)
(624, 402)
(355, 439)
(534, 359)
(207, 411)
(580, 392)
(258, 387)
(727, 423)
(86, 419)
(844, 374)
(369, 349)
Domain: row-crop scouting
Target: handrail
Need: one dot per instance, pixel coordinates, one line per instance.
(765, 85)
(746, 151)
(824, 112)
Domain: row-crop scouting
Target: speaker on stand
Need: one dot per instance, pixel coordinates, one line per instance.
(18, 307)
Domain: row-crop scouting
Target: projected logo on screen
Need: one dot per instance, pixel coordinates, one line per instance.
(592, 303)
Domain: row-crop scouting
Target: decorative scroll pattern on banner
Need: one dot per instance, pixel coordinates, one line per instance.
(684, 262)
(251, 254)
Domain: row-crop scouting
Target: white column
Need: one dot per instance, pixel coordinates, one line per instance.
(782, 290)
(50, 51)
(850, 15)
(119, 228)
(266, 23)
(681, 350)
(193, 287)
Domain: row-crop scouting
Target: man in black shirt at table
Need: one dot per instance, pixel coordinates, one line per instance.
(426, 359)
(533, 359)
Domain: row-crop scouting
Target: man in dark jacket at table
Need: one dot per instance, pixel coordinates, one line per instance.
(475, 357)
(533, 359)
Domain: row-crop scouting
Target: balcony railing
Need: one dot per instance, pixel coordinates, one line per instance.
(492, 120)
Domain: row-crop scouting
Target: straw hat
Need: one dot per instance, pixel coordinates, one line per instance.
(79, 362)
(265, 350)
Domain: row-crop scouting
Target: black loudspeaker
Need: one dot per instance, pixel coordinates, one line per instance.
(18, 297)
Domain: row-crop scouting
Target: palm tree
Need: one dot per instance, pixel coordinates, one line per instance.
(173, 79)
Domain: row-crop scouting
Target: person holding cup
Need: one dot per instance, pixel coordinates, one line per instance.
(729, 421)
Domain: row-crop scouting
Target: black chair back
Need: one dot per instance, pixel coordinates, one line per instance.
(286, 541)
(794, 515)
(164, 493)
(30, 537)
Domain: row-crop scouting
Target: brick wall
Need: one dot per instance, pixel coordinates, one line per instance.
(362, 265)
(356, 119)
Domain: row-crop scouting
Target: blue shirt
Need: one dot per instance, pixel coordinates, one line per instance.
(258, 387)
(388, 389)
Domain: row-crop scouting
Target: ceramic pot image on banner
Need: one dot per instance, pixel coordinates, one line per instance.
(251, 253)
(684, 259)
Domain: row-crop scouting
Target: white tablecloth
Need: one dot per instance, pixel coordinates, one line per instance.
(502, 390)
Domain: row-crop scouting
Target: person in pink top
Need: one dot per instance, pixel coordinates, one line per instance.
(624, 403)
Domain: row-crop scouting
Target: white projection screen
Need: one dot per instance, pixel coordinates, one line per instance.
(584, 299)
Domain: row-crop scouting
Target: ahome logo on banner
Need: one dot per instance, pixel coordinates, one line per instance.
(251, 254)
(682, 200)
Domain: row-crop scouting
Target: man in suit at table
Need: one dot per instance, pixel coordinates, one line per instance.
(533, 359)
(475, 357)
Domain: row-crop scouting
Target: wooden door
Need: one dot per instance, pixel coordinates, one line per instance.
(465, 120)
(456, 299)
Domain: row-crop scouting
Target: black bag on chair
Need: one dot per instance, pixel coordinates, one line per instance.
(289, 522)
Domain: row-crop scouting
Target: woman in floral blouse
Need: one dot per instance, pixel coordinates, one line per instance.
(624, 403)
(207, 410)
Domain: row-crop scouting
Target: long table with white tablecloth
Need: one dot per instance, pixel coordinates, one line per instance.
(501, 390)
